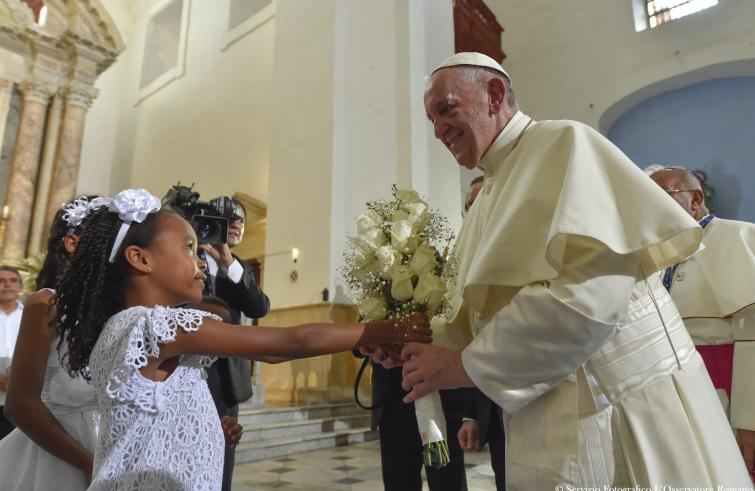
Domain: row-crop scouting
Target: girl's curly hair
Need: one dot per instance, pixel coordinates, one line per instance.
(92, 289)
(57, 257)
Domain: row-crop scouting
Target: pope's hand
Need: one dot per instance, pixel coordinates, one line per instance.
(429, 368)
(388, 356)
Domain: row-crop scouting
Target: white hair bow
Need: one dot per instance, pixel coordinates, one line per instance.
(77, 210)
(131, 205)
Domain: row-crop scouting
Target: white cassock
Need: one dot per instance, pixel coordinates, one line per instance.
(714, 291)
(556, 283)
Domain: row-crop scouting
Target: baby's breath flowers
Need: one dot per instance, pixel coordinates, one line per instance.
(397, 265)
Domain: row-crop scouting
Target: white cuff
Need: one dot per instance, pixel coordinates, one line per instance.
(464, 420)
(235, 271)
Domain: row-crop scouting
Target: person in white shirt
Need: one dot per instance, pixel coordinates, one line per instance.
(11, 309)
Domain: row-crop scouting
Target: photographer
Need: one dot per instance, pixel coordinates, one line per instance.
(230, 285)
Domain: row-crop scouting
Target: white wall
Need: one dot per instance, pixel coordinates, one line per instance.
(578, 59)
(211, 126)
(360, 127)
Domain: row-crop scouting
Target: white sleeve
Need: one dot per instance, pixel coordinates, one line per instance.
(551, 328)
(742, 383)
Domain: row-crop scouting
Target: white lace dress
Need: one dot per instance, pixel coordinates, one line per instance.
(156, 436)
(24, 465)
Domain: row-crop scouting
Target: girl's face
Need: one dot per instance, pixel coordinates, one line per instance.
(176, 269)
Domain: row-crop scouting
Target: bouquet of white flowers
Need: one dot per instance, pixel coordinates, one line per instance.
(394, 267)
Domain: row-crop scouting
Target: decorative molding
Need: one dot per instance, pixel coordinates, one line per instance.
(252, 23)
(81, 96)
(36, 92)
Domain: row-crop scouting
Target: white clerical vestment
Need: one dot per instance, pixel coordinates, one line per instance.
(574, 335)
(714, 291)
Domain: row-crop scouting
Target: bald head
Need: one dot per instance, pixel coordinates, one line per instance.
(684, 186)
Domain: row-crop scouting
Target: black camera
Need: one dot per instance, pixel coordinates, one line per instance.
(208, 219)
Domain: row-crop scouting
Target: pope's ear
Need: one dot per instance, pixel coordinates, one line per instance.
(496, 94)
(138, 258)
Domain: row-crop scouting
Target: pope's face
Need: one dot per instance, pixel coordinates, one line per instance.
(462, 116)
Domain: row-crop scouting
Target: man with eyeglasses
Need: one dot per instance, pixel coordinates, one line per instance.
(11, 309)
(714, 291)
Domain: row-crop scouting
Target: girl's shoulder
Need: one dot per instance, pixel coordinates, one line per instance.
(39, 297)
(159, 321)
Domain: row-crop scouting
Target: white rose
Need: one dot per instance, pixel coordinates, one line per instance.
(373, 308)
(399, 215)
(419, 213)
(423, 260)
(408, 196)
(366, 221)
(401, 283)
(430, 290)
(374, 238)
(402, 238)
(387, 257)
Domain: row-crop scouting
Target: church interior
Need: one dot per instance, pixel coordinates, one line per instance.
(303, 110)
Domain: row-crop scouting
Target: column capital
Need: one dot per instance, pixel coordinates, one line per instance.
(79, 95)
(35, 91)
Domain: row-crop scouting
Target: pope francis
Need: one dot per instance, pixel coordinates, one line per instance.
(569, 329)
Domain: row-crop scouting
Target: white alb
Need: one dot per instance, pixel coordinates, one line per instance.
(157, 436)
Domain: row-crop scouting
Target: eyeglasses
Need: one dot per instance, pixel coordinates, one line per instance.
(10, 281)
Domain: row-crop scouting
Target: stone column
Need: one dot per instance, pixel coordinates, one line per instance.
(6, 91)
(66, 167)
(24, 169)
(40, 221)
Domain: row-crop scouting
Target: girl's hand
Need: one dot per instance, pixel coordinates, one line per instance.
(414, 328)
(232, 430)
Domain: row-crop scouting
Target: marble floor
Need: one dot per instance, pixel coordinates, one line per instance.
(348, 468)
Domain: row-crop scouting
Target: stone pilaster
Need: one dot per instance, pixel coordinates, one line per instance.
(24, 169)
(40, 220)
(66, 166)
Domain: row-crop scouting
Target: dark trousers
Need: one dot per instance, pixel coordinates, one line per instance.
(230, 452)
(5, 425)
(497, 447)
(401, 452)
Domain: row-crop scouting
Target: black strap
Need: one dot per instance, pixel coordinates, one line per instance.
(356, 385)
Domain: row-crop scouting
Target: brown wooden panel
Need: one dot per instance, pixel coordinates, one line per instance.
(477, 29)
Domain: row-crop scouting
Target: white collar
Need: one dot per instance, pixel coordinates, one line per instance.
(510, 133)
(19, 309)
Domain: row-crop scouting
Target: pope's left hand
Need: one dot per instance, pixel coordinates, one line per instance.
(428, 368)
(219, 252)
(746, 442)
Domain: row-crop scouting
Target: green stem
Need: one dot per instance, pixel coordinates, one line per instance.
(436, 454)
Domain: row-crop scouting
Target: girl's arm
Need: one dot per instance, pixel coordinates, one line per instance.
(276, 344)
(23, 405)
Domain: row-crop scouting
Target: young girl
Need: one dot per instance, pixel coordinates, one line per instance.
(116, 310)
(56, 415)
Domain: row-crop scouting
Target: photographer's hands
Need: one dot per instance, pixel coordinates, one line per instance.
(219, 252)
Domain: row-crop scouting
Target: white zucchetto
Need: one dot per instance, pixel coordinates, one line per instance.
(473, 59)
